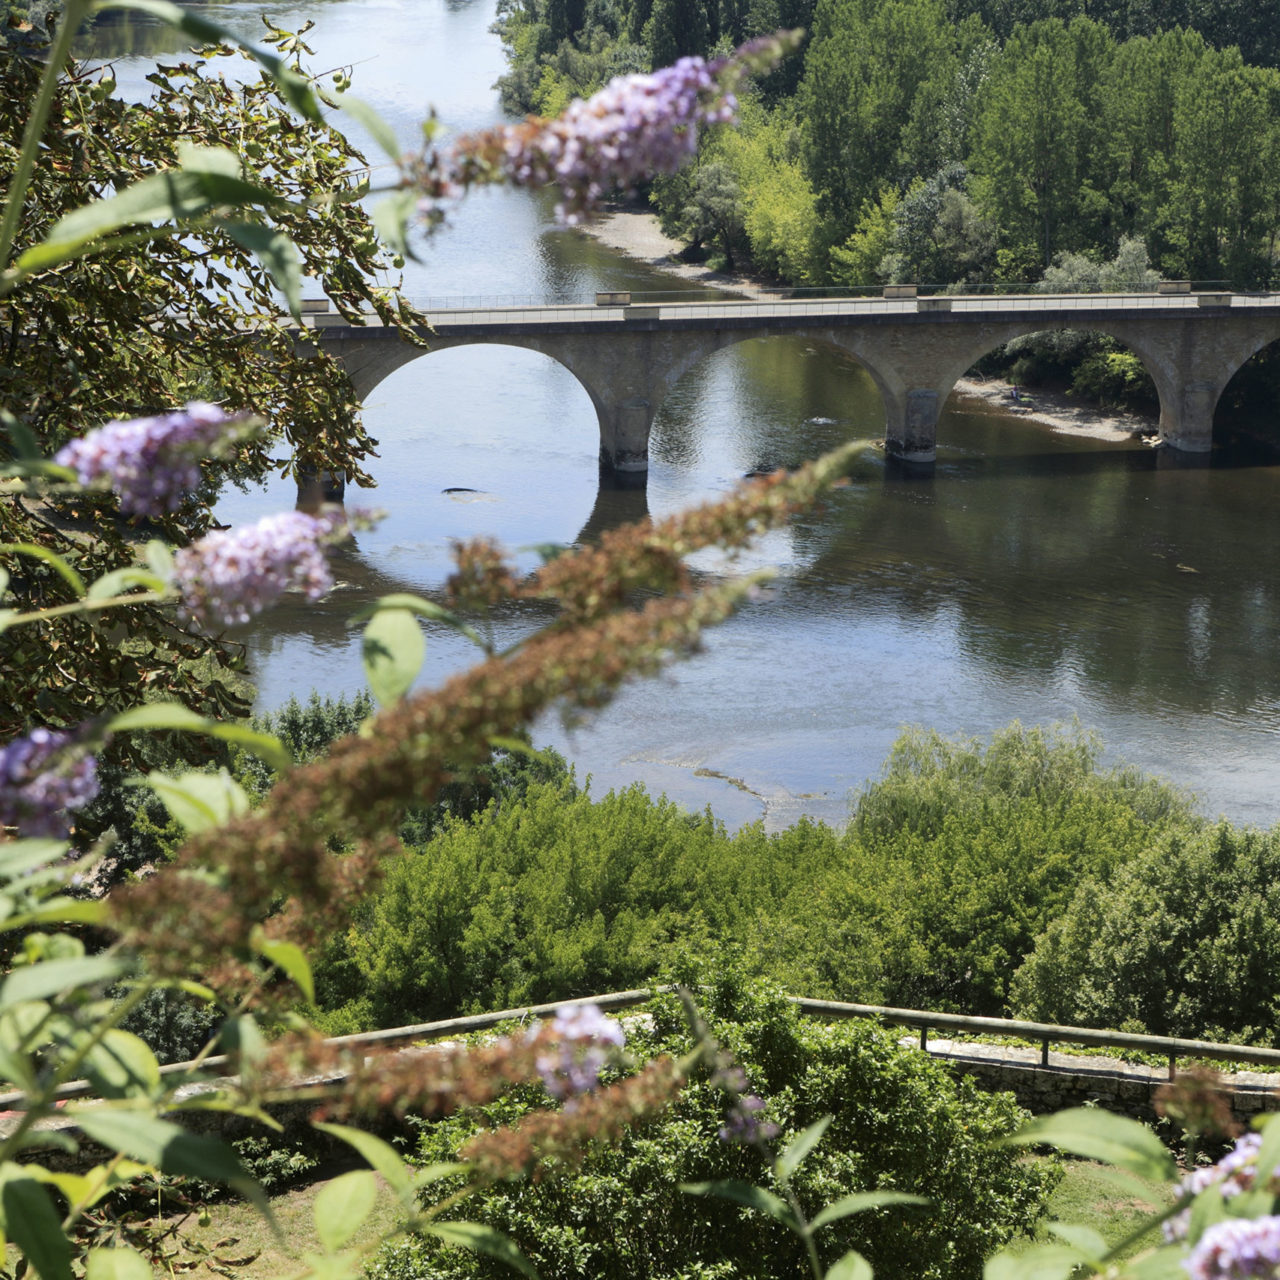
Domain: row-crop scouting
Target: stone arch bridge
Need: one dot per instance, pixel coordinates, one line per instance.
(629, 357)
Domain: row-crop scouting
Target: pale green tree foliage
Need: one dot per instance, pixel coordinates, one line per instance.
(866, 254)
(779, 206)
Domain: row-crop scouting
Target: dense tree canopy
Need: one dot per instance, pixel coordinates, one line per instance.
(1075, 123)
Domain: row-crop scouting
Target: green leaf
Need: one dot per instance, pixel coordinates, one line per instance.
(116, 1264)
(199, 801)
(379, 1155)
(372, 122)
(853, 1266)
(4, 581)
(795, 1151)
(424, 609)
(392, 651)
(441, 1169)
(1099, 1135)
(860, 1201)
(745, 1193)
(278, 255)
(290, 958)
(73, 579)
(112, 584)
(158, 715)
(172, 715)
(1078, 1236)
(59, 977)
(297, 91)
(482, 1239)
(342, 1206)
(167, 1146)
(1269, 1151)
(1164, 1264)
(392, 217)
(61, 911)
(26, 448)
(33, 1224)
(19, 857)
(122, 1065)
(1040, 1262)
(160, 558)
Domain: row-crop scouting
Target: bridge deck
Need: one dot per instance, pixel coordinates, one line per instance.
(937, 307)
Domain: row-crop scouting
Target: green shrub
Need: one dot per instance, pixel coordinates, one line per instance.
(900, 1121)
(1182, 941)
(960, 854)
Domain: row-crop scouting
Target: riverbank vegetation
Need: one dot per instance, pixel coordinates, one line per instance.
(1018, 876)
(953, 143)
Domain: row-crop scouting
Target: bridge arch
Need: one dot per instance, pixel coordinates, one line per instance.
(629, 358)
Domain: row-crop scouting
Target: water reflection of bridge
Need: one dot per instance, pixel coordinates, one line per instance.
(628, 357)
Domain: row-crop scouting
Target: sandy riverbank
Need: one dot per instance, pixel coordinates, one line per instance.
(636, 233)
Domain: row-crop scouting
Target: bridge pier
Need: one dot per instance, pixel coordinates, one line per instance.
(911, 429)
(316, 487)
(624, 442)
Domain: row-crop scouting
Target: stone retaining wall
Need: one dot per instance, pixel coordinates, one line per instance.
(1071, 1080)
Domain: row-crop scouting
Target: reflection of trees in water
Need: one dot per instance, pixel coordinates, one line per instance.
(1150, 586)
(779, 400)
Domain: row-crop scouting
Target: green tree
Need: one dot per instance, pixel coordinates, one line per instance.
(868, 64)
(115, 334)
(1180, 941)
(1223, 201)
(1036, 136)
(676, 29)
(900, 1120)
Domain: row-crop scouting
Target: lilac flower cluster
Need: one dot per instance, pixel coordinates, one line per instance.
(228, 576)
(1238, 1249)
(151, 463)
(636, 126)
(586, 1038)
(1234, 1173)
(37, 791)
(742, 1119)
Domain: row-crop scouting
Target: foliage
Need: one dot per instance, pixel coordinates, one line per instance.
(961, 853)
(954, 862)
(1176, 942)
(899, 1121)
(223, 922)
(115, 332)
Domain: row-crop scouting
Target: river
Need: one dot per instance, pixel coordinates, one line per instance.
(1033, 576)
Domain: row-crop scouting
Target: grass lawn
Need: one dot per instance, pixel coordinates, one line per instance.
(1086, 1195)
(236, 1232)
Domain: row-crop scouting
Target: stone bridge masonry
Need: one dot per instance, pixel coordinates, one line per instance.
(629, 357)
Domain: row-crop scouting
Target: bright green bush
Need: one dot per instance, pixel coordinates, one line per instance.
(961, 853)
(956, 859)
(900, 1122)
(1181, 942)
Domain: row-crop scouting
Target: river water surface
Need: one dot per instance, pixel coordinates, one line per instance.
(1033, 576)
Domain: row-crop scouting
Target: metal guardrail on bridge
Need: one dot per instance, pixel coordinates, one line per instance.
(924, 1020)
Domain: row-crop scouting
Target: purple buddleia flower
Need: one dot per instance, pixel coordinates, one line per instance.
(1238, 1249)
(1234, 1173)
(586, 1040)
(636, 126)
(743, 1122)
(153, 464)
(228, 576)
(42, 779)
